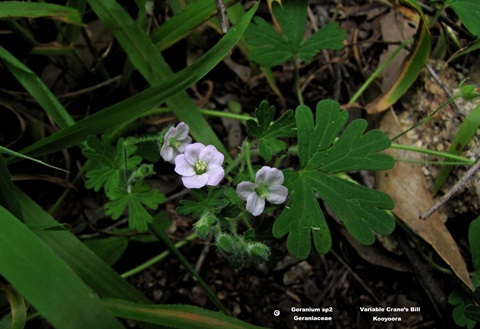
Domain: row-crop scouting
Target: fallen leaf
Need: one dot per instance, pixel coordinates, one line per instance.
(407, 186)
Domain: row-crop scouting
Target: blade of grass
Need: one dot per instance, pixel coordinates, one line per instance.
(89, 267)
(17, 9)
(465, 133)
(10, 152)
(146, 58)
(7, 191)
(18, 309)
(176, 316)
(35, 86)
(46, 281)
(180, 25)
(411, 69)
(136, 106)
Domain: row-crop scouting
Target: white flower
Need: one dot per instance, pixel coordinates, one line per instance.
(268, 185)
(175, 141)
(200, 165)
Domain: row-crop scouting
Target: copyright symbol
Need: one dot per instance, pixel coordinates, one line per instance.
(276, 312)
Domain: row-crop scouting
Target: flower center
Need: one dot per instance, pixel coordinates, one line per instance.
(174, 143)
(200, 167)
(261, 190)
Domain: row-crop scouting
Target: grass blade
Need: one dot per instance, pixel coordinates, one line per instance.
(465, 133)
(7, 191)
(88, 266)
(411, 68)
(32, 83)
(18, 314)
(46, 281)
(13, 9)
(136, 106)
(176, 316)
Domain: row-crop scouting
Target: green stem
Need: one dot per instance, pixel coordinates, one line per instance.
(432, 152)
(228, 115)
(378, 70)
(157, 230)
(157, 258)
(427, 118)
(246, 153)
(297, 82)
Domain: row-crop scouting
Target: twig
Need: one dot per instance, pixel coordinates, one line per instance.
(441, 201)
(222, 16)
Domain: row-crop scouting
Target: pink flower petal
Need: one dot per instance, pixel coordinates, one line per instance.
(182, 167)
(211, 155)
(255, 204)
(245, 189)
(181, 131)
(277, 194)
(192, 152)
(166, 152)
(269, 176)
(215, 174)
(195, 181)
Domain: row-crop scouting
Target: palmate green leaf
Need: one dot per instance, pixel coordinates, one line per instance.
(269, 147)
(309, 221)
(322, 153)
(267, 130)
(140, 195)
(266, 127)
(468, 11)
(270, 47)
(331, 36)
(202, 202)
(108, 163)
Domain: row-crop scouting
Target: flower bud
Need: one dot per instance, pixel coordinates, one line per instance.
(203, 227)
(258, 251)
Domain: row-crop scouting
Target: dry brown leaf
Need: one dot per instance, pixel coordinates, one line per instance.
(407, 186)
(396, 28)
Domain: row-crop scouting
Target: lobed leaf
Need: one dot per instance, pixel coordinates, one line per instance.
(138, 216)
(108, 163)
(362, 210)
(301, 219)
(291, 15)
(468, 11)
(266, 127)
(331, 36)
(270, 47)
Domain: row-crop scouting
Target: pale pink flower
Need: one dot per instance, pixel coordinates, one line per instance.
(268, 185)
(200, 165)
(175, 141)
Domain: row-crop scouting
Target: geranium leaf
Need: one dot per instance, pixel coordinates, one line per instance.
(301, 219)
(269, 47)
(361, 209)
(331, 36)
(108, 163)
(323, 151)
(266, 127)
(134, 201)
